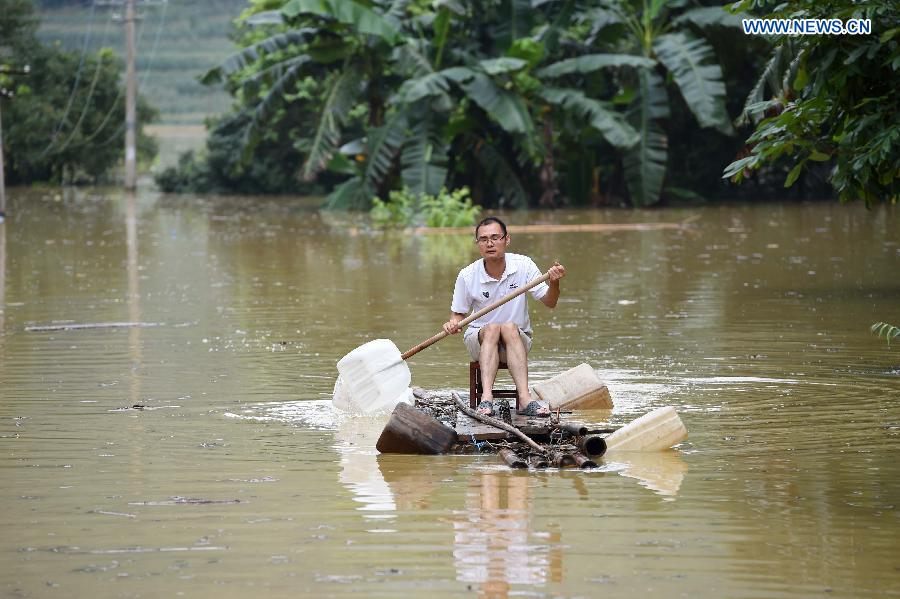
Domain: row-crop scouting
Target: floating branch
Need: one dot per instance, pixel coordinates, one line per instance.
(71, 326)
(563, 228)
(496, 423)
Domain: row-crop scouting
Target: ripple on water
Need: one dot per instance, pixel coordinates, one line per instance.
(753, 323)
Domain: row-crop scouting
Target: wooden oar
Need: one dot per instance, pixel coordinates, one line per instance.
(431, 341)
(374, 376)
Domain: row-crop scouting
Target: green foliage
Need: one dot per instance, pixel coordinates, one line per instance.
(886, 331)
(221, 169)
(17, 27)
(176, 42)
(53, 134)
(833, 101)
(507, 99)
(348, 12)
(399, 210)
(450, 209)
(405, 208)
(664, 36)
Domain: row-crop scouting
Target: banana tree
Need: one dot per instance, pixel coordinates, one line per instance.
(463, 118)
(344, 47)
(504, 100)
(666, 34)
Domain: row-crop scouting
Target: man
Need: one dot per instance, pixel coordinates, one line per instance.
(503, 335)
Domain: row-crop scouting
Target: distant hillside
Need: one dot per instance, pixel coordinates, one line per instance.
(176, 43)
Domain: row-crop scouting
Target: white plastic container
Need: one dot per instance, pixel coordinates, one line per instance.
(373, 378)
(655, 431)
(576, 389)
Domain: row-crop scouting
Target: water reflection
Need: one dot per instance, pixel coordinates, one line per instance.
(134, 294)
(494, 540)
(2, 284)
(2, 299)
(355, 440)
(413, 480)
(756, 329)
(660, 471)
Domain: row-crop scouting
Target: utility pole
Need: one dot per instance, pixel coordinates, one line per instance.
(130, 99)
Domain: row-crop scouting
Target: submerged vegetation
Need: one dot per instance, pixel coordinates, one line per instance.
(404, 208)
(886, 331)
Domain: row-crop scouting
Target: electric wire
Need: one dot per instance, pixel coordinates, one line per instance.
(144, 76)
(87, 102)
(84, 47)
(119, 89)
(159, 28)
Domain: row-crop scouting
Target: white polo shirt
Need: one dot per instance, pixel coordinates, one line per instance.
(475, 289)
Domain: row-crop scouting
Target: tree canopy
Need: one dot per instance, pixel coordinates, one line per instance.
(832, 100)
(523, 102)
(549, 102)
(65, 119)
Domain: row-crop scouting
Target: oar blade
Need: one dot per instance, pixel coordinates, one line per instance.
(373, 378)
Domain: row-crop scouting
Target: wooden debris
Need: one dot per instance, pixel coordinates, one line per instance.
(469, 429)
(526, 442)
(91, 325)
(178, 500)
(496, 423)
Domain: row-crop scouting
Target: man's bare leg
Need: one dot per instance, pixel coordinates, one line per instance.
(489, 359)
(516, 361)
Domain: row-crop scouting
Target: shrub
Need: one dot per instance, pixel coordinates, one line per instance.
(406, 209)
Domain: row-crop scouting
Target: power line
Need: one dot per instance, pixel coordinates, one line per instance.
(87, 102)
(145, 76)
(159, 28)
(105, 120)
(84, 47)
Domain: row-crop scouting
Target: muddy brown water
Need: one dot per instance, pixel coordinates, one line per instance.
(237, 478)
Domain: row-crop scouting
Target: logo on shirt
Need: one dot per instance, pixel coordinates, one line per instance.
(485, 294)
(513, 286)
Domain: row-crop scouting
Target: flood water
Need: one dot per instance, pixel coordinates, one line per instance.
(237, 478)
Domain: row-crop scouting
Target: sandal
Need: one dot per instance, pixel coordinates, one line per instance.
(485, 405)
(535, 408)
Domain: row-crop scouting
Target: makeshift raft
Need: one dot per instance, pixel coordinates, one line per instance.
(438, 426)
(447, 425)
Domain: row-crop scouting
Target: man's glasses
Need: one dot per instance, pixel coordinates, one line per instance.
(493, 239)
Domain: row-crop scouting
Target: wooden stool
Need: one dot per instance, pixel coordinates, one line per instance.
(475, 389)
